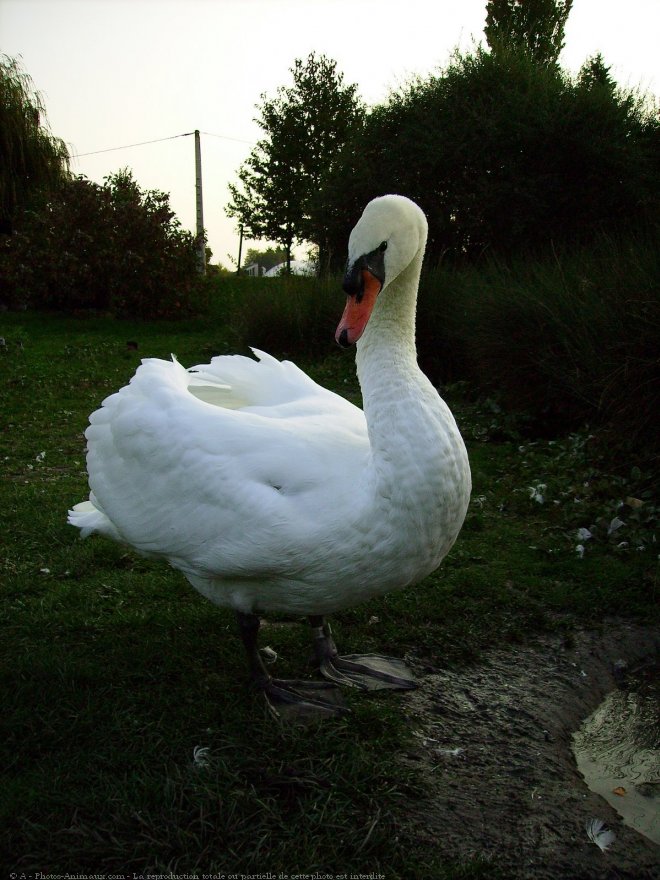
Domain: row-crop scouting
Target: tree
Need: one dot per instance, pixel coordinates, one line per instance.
(31, 159)
(537, 26)
(594, 73)
(505, 156)
(305, 127)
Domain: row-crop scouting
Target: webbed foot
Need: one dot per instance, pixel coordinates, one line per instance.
(301, 702)
(296, 702)
(367, 672)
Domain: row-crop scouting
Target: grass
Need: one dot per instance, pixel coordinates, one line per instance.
(114, 670)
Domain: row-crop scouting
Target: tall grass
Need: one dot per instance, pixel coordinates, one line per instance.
(290, 316)
(571, 339)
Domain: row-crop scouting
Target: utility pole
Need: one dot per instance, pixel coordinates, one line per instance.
(201, 248)
(240, 249)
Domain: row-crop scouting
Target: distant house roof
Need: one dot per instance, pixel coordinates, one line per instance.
(298, 267)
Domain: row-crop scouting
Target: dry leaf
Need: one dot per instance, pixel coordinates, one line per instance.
(620, 790)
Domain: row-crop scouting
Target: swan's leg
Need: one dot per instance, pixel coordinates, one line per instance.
(296, 701)
(368, 672)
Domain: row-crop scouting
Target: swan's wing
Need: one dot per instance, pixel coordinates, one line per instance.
(278, 389)
(230, 469)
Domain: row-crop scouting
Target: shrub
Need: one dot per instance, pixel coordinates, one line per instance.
(572, 339)
(109, 248)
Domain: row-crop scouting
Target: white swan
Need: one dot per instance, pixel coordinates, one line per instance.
(271, 493)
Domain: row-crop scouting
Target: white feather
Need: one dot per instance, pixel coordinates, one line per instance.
(201, 756)
(599, 834)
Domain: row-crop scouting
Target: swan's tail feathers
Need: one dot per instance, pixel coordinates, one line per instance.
(89, 519)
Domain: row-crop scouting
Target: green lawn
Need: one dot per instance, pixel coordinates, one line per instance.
(114, 669)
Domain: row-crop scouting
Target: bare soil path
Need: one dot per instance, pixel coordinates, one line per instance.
(495, 743)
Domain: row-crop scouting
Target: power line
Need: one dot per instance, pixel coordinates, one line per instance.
(128, 146)
(157, 141)
(225, 137)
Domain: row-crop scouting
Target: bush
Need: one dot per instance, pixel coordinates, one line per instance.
(571, 339)
(109, 248)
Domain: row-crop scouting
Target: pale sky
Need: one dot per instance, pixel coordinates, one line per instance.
(119, 72)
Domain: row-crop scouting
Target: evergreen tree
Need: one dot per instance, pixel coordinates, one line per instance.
(534, 25)
(594, 73)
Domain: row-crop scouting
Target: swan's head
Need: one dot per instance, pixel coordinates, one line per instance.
(388, 236)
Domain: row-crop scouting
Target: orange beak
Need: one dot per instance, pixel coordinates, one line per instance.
(357, 312)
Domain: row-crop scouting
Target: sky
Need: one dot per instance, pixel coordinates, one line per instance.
(113, 73)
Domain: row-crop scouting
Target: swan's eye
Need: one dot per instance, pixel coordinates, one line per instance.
(382, 246)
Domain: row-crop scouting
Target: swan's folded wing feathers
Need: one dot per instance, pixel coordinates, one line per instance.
(266, 382)
(222, 489)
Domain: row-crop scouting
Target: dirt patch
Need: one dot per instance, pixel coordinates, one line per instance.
(494, 742)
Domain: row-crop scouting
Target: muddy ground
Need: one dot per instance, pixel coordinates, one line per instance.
(494, 742)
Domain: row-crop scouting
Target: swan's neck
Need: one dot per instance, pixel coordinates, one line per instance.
(393, 386)
(390, 333)
(411, 430)
(418, 476)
